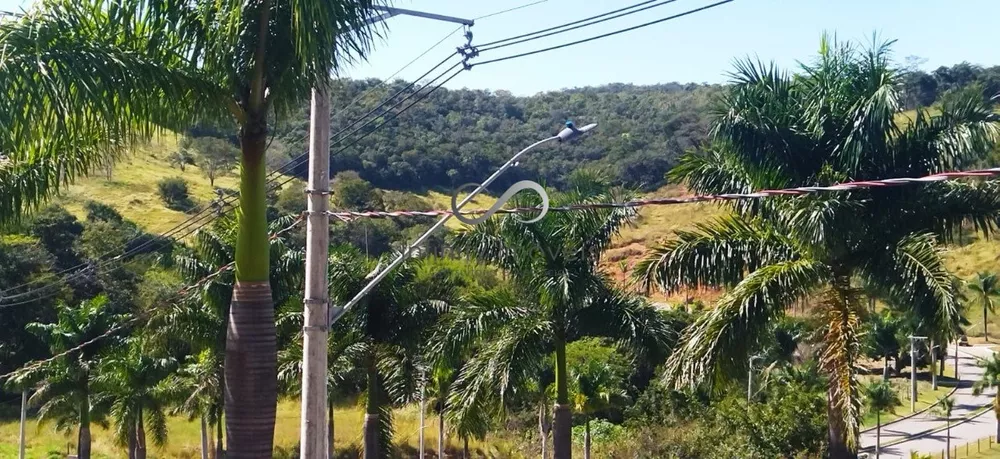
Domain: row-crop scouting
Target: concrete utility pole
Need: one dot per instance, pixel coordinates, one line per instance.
(316, 321)
(913, 371)
(933, 364)
(314, 442)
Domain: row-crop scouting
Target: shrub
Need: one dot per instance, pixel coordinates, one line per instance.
(174, 192)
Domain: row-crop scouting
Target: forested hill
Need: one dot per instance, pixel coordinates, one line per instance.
(461, 136)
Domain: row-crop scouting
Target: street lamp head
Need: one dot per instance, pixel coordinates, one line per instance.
(571, 132)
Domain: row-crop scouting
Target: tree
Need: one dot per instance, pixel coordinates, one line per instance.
(990, 379)
(834, 122)
(596, 385)
(985, 288)
(196, 390)
(174, 193)
(558, 296)
(882, 338)
(128, 382)
(216, 157)
(944, 407)
(63, 388)
(392, 323)
(880, 396)
(93, 78)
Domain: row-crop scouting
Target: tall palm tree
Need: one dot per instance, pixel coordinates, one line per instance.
(128, 381)
(990, 379)
(833, 122)
(85, 80)
(64, 385)
(985, 288)
(559, 295)
(198, 321)
(880, 396)
(944, 407)
(596, 386)
(196, 391)
(392, 323)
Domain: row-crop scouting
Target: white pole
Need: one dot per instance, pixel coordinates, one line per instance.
(316, 320)
(933, 365)
(204, 438)
(913, 375)
(24, 418)
(423, 407)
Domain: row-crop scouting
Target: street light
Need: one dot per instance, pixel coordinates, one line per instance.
(568, 133)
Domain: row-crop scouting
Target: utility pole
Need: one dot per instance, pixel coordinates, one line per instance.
(24, 416)
(317, 315)
(933, 364)
(316, 303)
(913, 371)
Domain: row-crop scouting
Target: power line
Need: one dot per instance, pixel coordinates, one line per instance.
(597, 16)
(784, 192)
(535, 35)
(508, 10)
(605, 35)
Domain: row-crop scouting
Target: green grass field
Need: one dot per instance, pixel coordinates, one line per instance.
(184, 439)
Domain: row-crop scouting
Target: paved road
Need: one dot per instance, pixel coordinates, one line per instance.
(965, 404)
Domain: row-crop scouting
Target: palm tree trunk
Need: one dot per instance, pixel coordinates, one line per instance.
(986, 333)
(140, 437)
(440, 434)
(465, 449)
(204, 438)
(220, 451)
(131, 439)
(885, 369)
(83, 439)
(251, 351)
(586, 439)
(329, 426)
(562, 446)
(372, 411)
(878, 433)
(543, 432)
(838, 362)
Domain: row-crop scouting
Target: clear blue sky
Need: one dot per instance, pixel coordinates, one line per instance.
(696, 48)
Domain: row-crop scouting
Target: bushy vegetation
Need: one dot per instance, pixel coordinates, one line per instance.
(174, 193)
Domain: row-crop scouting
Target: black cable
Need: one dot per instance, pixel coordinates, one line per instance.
(566, 25)
(508, 10)
(564, 45)
(396, 114)
(536, 37)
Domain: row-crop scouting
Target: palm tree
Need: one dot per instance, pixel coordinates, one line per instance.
(128, 381)
(990, 379)
(84, 80)
(392, 323)
(442, 375)
(985, 288)
(834, 122)
(197, 392)
(882, 339)
(558, 296)
(596, 387)
(64, 384)
(944, 407)
(198, 320)
(880, 396)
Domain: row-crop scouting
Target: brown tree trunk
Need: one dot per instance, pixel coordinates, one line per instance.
(440, 434)
(371, 431)
(586, 440)
(465, 449)
(329, 425)
(140, 437)
(83, 439)
(372, 411)
(251, 385)
(132, 445)
(220, 450)
(562, 440)
(543, 430)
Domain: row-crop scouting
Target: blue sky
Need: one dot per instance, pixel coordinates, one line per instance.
(696, 48)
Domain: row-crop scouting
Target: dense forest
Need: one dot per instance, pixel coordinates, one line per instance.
(461, 136)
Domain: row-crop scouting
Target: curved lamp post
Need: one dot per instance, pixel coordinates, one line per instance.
(568, 133)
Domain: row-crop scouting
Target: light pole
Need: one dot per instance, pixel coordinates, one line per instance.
(567, 134)
(913, 371)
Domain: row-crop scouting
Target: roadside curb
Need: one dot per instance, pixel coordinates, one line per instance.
(980, 411)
